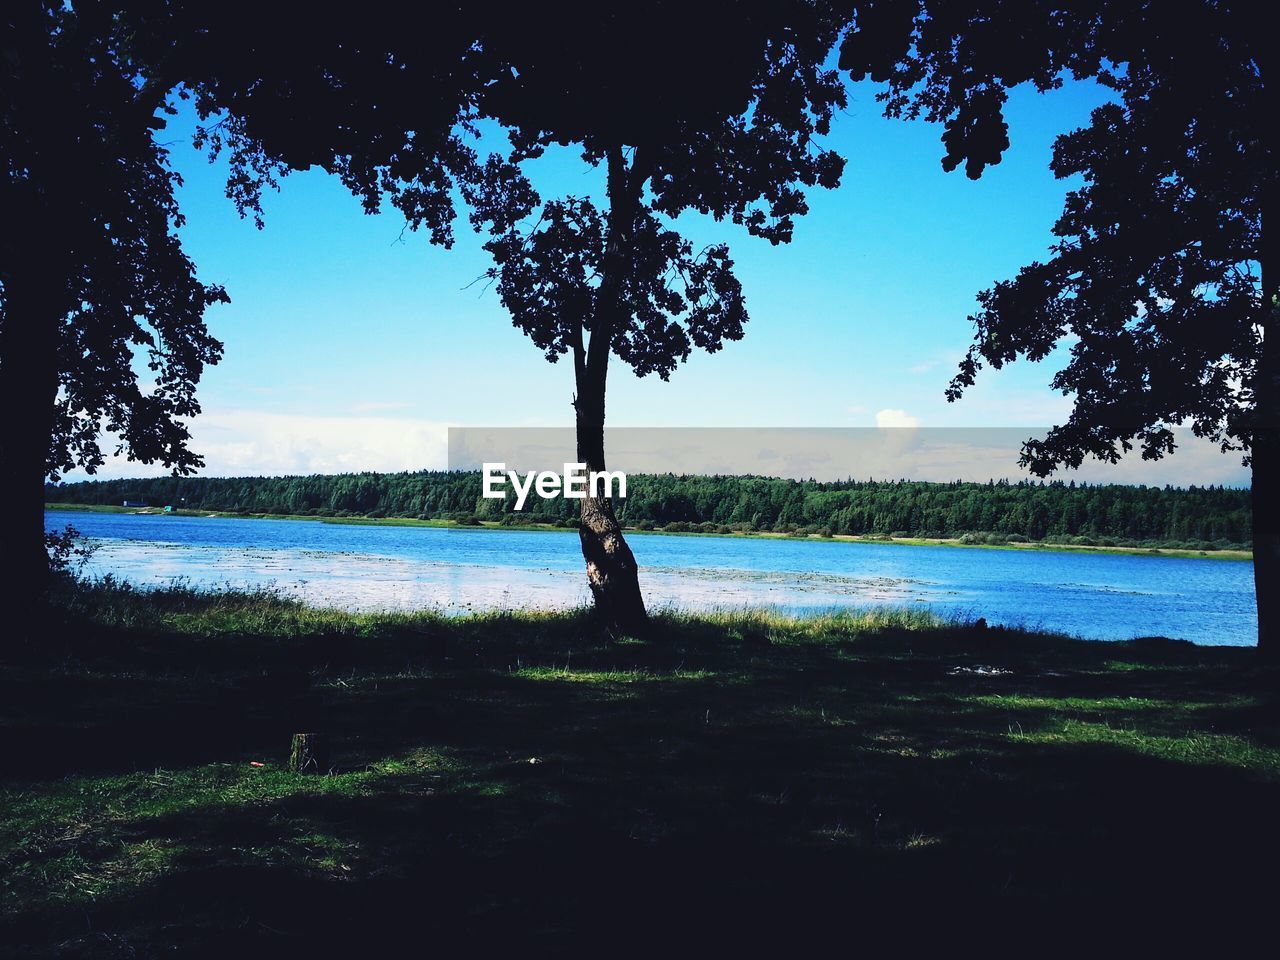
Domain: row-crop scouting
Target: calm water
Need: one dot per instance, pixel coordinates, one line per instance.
(372, 567)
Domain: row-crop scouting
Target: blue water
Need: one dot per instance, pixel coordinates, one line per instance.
(1101, 596)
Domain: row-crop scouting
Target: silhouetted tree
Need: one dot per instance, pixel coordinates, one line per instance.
(94, 286)
(93, 280)
(1162, 282)
(714, 108)
(711, 107)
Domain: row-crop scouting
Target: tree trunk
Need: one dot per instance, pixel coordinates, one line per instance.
(1265, 487)
(611, 567)
(1266, 537)
(28, 394)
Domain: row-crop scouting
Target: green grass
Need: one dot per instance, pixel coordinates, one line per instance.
(525, 777)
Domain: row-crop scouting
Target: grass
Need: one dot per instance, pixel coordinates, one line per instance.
(1177, 552)
(522, 777)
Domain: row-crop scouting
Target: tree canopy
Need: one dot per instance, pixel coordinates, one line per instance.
(102, 316)
(1162, 283)
(734, 137)
(95, 257)
(1153, 282)
(716, 108)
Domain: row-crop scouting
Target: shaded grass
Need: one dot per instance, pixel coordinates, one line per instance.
(523, 777)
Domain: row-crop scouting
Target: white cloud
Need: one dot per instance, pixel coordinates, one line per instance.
(890, 417)
(250, 442)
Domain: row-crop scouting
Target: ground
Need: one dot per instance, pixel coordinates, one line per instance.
(526, 779)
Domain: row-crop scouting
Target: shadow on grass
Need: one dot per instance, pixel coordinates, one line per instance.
(522, 779)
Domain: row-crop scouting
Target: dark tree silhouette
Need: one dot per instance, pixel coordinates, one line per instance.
(94, 285)
(93, 279)
(713, 107)
(1162, 282)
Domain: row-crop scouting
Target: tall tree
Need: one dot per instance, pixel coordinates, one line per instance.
(715, 108)
(1162, 281)
(102, 325)
(93, 280)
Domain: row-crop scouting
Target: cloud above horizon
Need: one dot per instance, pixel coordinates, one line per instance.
(888, 418)
(250, 442)
(240, 442)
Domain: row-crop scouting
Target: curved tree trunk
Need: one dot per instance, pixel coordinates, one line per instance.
(611, 567)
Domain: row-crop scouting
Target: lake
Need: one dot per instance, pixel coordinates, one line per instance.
(1093, 595)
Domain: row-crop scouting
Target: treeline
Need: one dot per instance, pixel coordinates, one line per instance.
(1051, 511)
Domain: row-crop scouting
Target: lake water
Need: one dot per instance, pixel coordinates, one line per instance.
(1102, 596)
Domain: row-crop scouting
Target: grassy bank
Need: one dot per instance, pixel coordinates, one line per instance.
(763, 534)
(522, 777)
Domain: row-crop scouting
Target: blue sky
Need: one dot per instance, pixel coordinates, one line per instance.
(350, 344)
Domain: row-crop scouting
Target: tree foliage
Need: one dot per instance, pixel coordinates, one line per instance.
(718, 107)
(1035, 510)
(733, 135)
(92, 252)
(1153, 283)
(715, 108)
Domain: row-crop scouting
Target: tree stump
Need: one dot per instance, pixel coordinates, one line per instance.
(310, 753)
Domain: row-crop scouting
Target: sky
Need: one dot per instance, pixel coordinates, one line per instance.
(352, 344)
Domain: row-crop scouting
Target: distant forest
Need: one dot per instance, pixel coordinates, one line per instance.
(997, 511)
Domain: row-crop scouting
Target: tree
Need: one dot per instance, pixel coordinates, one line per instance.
(93, 279)
(713, 108)
(1162, 280)
(723, 121)
(94, 284)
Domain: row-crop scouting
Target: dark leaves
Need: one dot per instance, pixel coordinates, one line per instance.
(83, 166)
(730, 132)
(548, 277)
(722, 103)
(1154, 284)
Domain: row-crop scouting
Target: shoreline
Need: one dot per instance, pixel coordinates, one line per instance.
(1167, 552)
